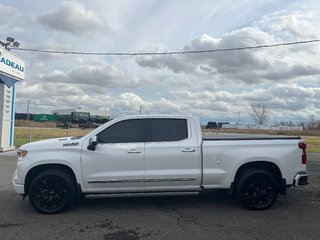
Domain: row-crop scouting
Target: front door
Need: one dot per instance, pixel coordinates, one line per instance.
(117, 164)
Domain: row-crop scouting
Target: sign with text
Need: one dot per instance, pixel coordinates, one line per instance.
(11, 65)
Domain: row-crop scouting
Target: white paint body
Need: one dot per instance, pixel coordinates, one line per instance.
(192, 164)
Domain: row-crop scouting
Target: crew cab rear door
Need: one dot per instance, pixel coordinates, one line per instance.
(172, 155)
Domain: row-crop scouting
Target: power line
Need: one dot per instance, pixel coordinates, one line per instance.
(166, 53)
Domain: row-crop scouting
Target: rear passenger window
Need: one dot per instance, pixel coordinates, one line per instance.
(163, 129)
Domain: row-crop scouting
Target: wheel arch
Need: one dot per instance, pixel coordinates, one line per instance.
(36, 170)
(271, 167)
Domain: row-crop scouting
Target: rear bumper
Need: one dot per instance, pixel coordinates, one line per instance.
(301, 179)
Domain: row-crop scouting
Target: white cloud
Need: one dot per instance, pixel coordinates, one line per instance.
(213, 86)
(248, 66)
(223, 62)
(299, 25)
(7, 10)
(127, 103)
(6, 29)
(94, 73)
(8, 17)
(74, 18)
(302, 29)
(162, 62)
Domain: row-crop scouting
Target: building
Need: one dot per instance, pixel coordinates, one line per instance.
(12, 70)
(80, 115)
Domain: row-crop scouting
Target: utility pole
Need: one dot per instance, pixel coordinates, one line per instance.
(239, 118)
(140, 109)
(28, 116)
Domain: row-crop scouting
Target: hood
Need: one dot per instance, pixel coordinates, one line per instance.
(53, 143)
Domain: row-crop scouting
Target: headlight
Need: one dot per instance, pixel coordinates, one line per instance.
(22, 153)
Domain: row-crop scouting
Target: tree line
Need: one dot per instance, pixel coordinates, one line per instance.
(261, 113)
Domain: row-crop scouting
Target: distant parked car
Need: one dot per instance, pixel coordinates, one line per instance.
(88, 125)
(64, 125)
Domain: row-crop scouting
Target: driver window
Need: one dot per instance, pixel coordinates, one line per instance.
(123, 132)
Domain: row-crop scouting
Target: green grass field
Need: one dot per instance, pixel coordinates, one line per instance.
(25, 135)
(22, 136)
(313, 144)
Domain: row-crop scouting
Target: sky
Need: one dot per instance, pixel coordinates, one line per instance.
(218, 86)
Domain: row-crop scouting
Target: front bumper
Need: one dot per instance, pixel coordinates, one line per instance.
(301, 179)
(18, 188)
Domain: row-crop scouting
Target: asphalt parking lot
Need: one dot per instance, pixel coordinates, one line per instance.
(209, 216)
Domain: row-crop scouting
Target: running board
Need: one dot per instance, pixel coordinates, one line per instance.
(146, 194)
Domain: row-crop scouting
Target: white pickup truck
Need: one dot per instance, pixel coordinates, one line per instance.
(158, 155)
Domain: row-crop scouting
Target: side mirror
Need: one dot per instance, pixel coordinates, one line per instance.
(93, 142)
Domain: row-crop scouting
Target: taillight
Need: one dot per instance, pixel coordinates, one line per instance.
(303, 146)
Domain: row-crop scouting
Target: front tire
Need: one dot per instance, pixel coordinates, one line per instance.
(256, 189)
(52, 191)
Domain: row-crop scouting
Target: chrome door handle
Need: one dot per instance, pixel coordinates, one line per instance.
(133, 151)
(188, 150)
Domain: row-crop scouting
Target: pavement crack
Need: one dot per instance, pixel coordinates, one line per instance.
(179, 217)
(191, 217)
(5, 225)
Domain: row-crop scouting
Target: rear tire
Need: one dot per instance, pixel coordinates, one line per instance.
(256, 189)
(52, 191)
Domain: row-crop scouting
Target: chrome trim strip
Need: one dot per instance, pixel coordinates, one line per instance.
(117, 181)
(170, 179)
(298, 176)
(140, 194)
(144, 180)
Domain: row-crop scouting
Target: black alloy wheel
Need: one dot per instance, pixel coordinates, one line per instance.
(52, 191)
(257, 189)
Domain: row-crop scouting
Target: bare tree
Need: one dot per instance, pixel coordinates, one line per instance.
(260, 112)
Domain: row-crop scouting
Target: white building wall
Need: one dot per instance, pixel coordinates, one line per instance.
(77, 109)
(64, 111)
(7, 111)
